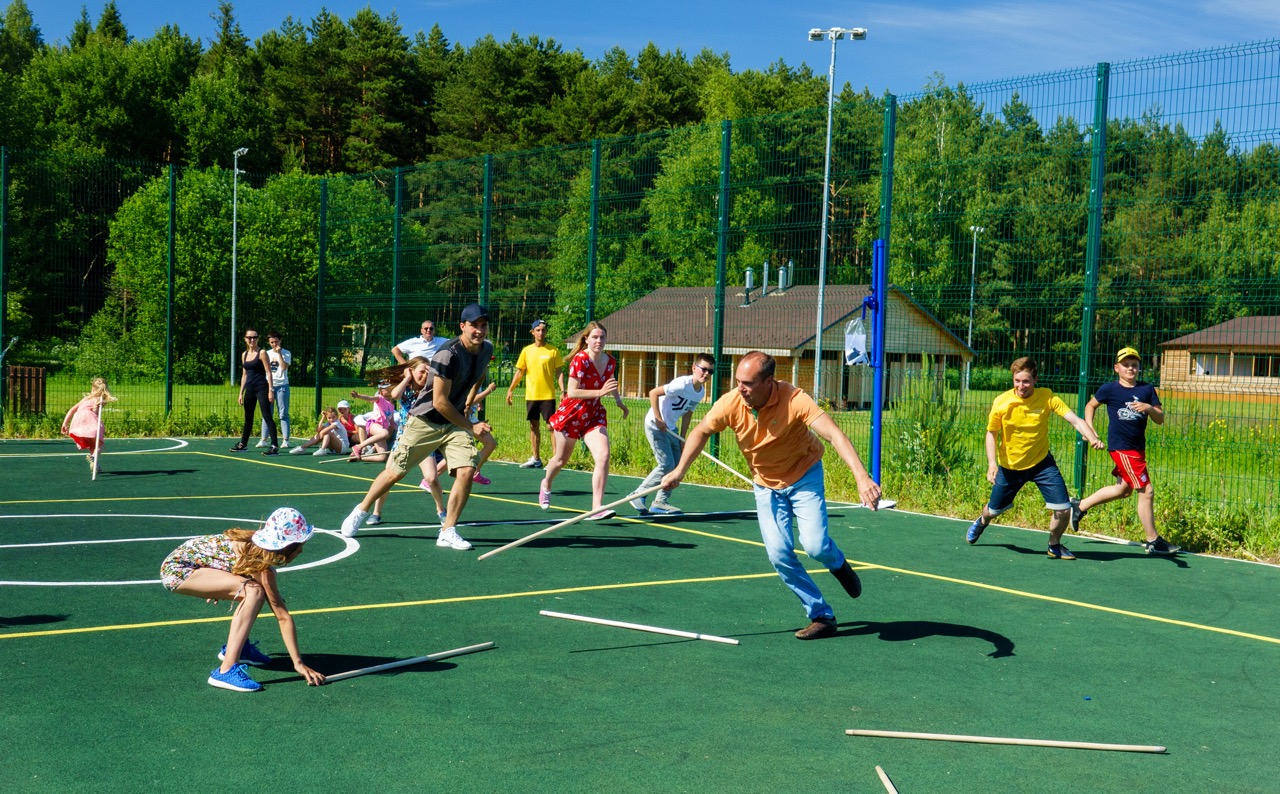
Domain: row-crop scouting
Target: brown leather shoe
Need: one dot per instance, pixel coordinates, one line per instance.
(819, 628)
(848, 579)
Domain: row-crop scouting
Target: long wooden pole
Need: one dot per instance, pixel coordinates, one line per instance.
(884, 778)
(563, 524)
(434, 657)
(949, 737)
(640, 627)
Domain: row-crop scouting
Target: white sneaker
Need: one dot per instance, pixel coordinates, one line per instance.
(352, 523)
(298, 451)
(449, 539)
(639, 505)
(531, 463)
(665, 508)
(284, 443)
(320, 453)
(374, 520)
(262, 442)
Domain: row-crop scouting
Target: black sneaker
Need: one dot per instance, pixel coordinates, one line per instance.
(975, 531)
(239, 447)
(1076, 515)
(272, 450)
(1160, 546)
(848, 579)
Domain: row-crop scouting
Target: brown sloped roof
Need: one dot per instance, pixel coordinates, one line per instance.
(682, 319)
(1251, 331)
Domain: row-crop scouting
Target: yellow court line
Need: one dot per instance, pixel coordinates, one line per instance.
(393, 605)
(1074, 603)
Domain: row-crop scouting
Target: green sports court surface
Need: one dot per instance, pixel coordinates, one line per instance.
(102, 672)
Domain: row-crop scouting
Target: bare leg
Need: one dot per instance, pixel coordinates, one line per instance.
(563, 449)
(535, 437)
(1057, 525)
(1106, 494)
(1147, 511)
(432, 478)
(487, 445)
(386, 478)
(214, 584)
(458, 495)
(597, 441)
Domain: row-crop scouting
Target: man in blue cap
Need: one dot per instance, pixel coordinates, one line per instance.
(438, 421)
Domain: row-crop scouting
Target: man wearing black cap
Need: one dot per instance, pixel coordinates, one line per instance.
(543, 364)
(438, 421)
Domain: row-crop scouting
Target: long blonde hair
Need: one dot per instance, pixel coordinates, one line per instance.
(582, 340)
(98, 390)
(254, 558)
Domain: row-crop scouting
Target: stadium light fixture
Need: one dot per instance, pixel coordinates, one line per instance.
(235, 207)
(834, 34)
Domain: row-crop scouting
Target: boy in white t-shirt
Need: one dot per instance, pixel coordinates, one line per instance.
(670, 404)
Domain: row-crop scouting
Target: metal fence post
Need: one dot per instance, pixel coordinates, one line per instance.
(593, 230)
(4, 248)
(321, 261)
(396, 252)
(722, 261)
(486, 231)
(168, 317)
(1092, 257)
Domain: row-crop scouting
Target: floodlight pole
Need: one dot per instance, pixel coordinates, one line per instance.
(834, 34)
(235, 208)
(973, 272)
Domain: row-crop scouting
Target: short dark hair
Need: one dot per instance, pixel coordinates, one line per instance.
(274, 335)
(707, 359)
(767, 363)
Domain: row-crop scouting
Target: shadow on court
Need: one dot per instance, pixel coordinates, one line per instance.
(914, 630)
(31, 620)
(1094, 555)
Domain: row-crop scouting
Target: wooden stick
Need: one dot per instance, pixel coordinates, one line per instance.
(563, 524)
(638, 627)
(97, 441)
(884, 504)
(888, 784)
(949, 737)
(435, 657)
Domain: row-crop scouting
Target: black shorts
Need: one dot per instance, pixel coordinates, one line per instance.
(535, 408)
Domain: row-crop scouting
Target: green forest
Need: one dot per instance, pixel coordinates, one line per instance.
(510, 166)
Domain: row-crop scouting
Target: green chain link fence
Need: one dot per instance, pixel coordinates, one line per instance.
(1059, 216)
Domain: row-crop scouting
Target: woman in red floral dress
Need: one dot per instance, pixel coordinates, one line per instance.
(581, 416)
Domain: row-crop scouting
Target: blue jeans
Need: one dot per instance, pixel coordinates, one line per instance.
(281, 394)
(666, 449)
(803, 507)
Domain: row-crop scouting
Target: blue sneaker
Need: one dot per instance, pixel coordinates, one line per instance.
(249, 654)
(975, 530)
(1060, 552)
(236, 679)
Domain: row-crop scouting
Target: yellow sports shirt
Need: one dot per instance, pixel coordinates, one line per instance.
(1023, 426)
(539, 365)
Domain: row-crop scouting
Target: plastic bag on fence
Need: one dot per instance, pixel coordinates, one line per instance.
(855, 343)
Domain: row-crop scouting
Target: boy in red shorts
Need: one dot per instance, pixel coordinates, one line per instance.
(1130, 402)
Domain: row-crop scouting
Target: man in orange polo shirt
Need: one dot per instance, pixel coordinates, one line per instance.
(780, 430)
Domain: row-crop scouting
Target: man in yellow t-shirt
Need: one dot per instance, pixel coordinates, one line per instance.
(542, 363)
(780, 431)
(1018, 453)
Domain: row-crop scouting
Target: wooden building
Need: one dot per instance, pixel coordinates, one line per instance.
(1238, 357)
(656, 338)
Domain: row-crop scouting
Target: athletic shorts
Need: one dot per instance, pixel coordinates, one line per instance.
(1044, 474)
(1131, 466)
(535, 408)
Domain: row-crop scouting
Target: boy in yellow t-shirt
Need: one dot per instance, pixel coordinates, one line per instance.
(1018, 453)
(542, 363)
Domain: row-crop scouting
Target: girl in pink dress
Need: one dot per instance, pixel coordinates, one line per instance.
(581, 416)
(83, 423)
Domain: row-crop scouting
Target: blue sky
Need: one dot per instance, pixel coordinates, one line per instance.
(907, 43)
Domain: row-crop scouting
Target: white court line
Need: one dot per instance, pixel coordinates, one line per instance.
(178, 444)
(350, 545)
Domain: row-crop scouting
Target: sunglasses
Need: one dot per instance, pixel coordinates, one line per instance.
(246, 336)
(707, 370)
